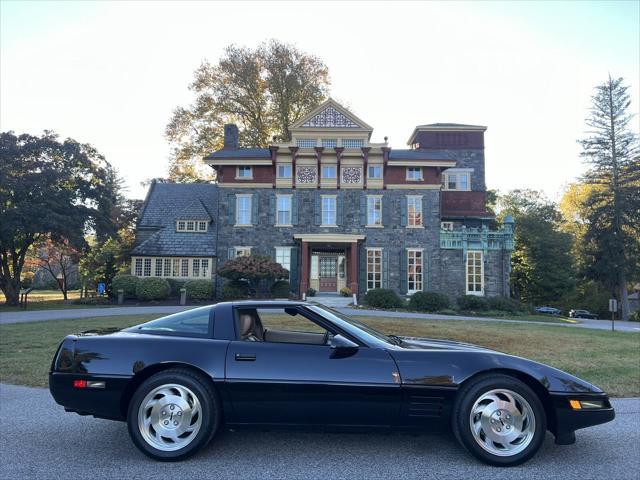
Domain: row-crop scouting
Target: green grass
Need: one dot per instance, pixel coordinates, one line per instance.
(610, 360)
(47, 300)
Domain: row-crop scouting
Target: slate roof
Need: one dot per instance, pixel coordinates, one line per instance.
(452, 125)
(168, 202)
(421, 154)
(240, 153)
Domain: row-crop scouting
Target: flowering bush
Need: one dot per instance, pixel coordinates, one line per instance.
(254, 269)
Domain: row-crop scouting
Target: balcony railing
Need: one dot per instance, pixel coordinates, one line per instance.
(478, 238)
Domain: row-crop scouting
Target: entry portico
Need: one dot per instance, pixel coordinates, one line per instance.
(329, 262)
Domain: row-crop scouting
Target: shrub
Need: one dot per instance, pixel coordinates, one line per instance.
(93, 301)
(311, 292)
(635, 316)
(199, 289)
(428, 301)
(382, 298)
(235, 289)
(253, 269)
(281, 289)
(152, 288)
(504, 304)
(126, 283)
(473, 303)
(175, 286)
(345, 292)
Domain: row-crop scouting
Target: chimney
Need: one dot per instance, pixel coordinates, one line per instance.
(230, 136)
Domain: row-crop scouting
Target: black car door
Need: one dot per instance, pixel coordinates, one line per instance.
(301, 383)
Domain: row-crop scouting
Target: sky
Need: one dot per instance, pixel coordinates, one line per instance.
(111, 74)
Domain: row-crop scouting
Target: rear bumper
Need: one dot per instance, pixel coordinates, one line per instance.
(567, 420)
(100, 402)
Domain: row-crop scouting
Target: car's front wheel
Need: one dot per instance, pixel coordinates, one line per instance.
(173, 414)
(499, 420)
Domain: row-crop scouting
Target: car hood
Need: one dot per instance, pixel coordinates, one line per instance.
(415, 343)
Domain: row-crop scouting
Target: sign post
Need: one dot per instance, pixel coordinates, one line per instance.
(613, 308)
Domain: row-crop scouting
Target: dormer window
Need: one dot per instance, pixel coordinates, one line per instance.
(329, 142)
(192, 225)
(244, 173)
(352, 143)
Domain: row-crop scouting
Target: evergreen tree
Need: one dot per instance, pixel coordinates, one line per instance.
(612, 236)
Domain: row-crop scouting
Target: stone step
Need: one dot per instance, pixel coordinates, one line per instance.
(333, 301)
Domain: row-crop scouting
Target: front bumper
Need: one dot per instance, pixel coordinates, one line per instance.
(567, 419)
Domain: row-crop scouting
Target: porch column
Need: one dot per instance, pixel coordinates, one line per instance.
(353, 268)
(304, 271)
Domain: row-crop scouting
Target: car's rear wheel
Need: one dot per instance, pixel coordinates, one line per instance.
(173, 414)
(499, 420)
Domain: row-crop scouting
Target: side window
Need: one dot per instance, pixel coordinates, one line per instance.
(278, 325)
(192, 322)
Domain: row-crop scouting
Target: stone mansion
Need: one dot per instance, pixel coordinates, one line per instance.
(337, 211)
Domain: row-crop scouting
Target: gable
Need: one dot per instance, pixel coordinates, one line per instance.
(330, 118)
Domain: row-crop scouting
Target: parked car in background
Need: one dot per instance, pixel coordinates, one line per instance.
(176, 380)
(582, 314)
(548, 310)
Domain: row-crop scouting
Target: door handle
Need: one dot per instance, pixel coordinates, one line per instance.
(245, 357)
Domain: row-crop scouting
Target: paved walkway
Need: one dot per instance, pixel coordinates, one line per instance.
(45, 315)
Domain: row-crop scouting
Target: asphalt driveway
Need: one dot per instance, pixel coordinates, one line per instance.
(40, 440)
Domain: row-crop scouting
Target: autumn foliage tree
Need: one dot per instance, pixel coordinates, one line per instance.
(263, 90)
(59, 259)
(254, 269)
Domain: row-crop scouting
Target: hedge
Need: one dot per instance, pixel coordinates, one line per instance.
(504, 304)
(152, 288)
(281, 289)
(199, 289)
(382, 298)
(428, 301)
(127, 283)
(473, 303)
(175, 286)
(235, 289)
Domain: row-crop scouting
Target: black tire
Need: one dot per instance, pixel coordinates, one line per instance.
(209, 407)
(461, 425)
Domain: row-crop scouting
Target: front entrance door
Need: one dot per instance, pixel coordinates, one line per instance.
(328, 273)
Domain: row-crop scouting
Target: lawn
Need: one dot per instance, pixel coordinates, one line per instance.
(48, 300)
(610, 360)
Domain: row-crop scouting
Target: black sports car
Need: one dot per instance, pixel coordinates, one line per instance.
(176, 380)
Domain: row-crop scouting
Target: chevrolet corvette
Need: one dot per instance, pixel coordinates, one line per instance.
(179, 379)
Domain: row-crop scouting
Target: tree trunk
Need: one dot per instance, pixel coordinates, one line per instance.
(624, 296)
(11, 290)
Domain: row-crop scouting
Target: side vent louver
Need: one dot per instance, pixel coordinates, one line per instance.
(424, 406)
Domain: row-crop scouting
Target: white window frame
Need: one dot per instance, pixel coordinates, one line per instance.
(332, 200)
(158, 267)
(471, 272)
(244, 168)
(446, 226)
(379, 169)
(288, 199)
(204, 267)
(283, 257)
(137, 269)
(334, 169)
(287, 166)
(374, 220)
(306, 142)
(417, 201)
(146, 270)
(329, 142)
(195, 267)
(191, 226)
(248, 210)
(411, 177)
(352, 143)
(456, 174)
(166, 270)
(241, 252)
(419, 276)
(374, 258)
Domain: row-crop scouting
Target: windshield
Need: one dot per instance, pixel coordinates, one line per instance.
(340, 319)
(193, 322)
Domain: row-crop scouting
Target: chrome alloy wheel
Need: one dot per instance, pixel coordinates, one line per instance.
(502, 422)
(170, 417)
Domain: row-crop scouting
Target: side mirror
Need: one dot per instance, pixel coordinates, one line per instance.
(338, 341)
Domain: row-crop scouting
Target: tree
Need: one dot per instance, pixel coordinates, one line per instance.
(57, 258)
(263, 90)
(612, 236)
(254, 269)
(542, 270)
(48, 189)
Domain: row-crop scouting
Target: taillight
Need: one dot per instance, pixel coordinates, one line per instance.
(79, 384)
